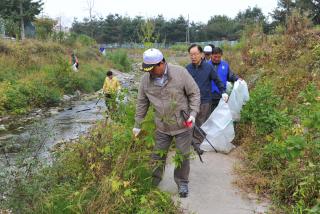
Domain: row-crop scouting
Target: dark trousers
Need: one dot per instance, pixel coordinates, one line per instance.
(204, 113)
(215, 103)
(160, 151)
(109, 100)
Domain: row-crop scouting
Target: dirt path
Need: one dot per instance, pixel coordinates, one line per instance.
(210, 189)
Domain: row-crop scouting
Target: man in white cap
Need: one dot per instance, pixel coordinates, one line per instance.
(207, 50)
(170, 90)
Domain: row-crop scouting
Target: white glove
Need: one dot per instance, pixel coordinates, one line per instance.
(136, 131)
(225, 97)
(191, 119)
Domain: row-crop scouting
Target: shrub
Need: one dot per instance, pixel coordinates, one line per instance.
(85, 40)
(120, 60)
(276, 155)
(262, 110)
(16, 99)
(298, 185)
(70, 39)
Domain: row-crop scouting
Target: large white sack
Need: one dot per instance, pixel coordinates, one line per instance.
(219, 129)
(238, 97)
(229, 87)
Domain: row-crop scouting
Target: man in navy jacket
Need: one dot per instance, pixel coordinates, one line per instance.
(203, 73)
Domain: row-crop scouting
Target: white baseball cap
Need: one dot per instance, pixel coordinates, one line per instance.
(207, 49)
(151, 57)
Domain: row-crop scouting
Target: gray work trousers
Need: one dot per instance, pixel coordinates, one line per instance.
(159, 155)
(204, 113)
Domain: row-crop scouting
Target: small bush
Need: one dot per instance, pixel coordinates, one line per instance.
(262, 110)
(85, 40)
(276, 155)
(16, 100)
(120, 60)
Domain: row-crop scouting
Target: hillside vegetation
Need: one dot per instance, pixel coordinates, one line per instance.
(35, 73)
(280, 127)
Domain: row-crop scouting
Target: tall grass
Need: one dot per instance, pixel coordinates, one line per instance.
(36, 74)
(120, 60)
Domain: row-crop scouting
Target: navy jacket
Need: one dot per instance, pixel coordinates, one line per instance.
(203, 74)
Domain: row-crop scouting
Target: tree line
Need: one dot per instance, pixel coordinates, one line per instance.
(121, 29)
(115, 28)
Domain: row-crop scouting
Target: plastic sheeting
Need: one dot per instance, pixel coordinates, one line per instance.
(238, 97)
(219, 129)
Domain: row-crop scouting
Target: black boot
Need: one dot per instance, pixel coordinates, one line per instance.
(183, 190)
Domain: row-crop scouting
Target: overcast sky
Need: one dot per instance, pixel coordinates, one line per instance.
(199, 11)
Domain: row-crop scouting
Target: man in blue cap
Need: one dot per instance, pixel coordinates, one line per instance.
(170, 90)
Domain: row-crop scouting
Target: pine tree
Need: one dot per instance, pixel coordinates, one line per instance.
(20, 11)
(283, 10)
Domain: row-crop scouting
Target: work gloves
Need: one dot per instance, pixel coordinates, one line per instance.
(225, 97)
(189, 123)
(136, 131)
(191, 119)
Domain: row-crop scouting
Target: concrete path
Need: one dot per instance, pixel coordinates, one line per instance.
(210, 189)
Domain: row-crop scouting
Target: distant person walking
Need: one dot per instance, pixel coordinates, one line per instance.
(110, 88)
(74, 62)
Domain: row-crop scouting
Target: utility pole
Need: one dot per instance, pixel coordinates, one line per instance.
(90, 6)
(60, 29)
(188, 32)
(22, 20)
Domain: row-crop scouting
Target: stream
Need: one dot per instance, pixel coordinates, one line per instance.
(42, 135)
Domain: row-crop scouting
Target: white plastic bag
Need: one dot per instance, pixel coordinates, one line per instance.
(219, 129)
(74, 67)
(229, 87)
(239, 96)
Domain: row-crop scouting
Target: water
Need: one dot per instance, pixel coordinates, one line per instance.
(41, 136)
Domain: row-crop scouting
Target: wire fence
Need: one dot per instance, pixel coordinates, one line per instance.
(164, 46)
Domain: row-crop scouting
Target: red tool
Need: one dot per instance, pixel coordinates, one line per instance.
(187, 124)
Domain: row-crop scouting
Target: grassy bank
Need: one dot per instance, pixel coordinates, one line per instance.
(37, 74)
(107, 172)
(280, 127)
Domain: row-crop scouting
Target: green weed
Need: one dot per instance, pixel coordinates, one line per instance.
(120, 60)
(106, 172)
(261, 110)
